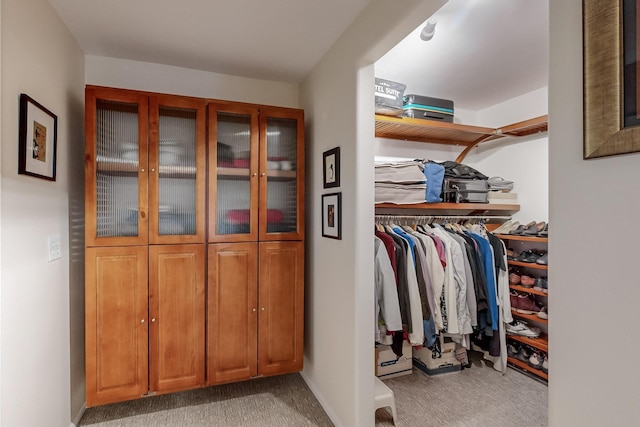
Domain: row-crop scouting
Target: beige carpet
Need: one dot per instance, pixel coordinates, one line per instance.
(476, 397)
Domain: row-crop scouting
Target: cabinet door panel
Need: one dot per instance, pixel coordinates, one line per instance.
(116, 167)
(116, 324)
(177, 169)
(177, 316)
(232, 312)
(233, 173)
(281, 174)
(281, 305)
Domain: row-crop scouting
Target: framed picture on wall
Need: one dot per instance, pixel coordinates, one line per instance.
(37, 140)
(332, 215)
(331, 168)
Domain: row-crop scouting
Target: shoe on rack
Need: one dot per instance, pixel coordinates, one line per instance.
(545, 231)
(543, 260)
(527, 281)
(536, 360)
(511, 255)
(541, 284)
(512, 350)
(526, 305)
(513, 298)
(545, 364)
(524, 354)
(518, 327)
(504, 228)
(514, 279)
(518, 230)
(524, 255)
(543, 314)
(532, 257)
(534, 229)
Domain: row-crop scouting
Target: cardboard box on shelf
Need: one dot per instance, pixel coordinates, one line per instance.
(388, 97)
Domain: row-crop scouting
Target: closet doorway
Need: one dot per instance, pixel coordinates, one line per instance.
(491, 59)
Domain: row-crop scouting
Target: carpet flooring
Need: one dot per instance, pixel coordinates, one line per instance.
(475, 397)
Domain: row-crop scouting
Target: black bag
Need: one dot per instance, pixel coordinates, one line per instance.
(458, 170)
(455, 190)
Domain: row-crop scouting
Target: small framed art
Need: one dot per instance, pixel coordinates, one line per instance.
(37, 140)
(331, 169)
(332, 215)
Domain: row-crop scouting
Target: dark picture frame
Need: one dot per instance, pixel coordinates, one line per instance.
(38, 139)
(332, 216)
(611, 42)
(331, 168)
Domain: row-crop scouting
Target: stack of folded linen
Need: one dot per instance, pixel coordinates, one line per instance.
(401, 182)
(500, 191)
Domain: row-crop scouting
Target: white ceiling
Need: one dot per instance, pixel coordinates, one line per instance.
(483, 51)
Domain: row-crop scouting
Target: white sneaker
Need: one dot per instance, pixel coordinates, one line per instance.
(520, 328)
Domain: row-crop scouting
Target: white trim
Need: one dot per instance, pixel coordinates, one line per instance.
(323, 402)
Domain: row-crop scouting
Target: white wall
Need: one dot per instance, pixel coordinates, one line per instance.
(338, 100)
(593, 250)
(146, 76)
(42, 372)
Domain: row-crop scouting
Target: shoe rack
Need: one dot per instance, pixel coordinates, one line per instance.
(518, 244)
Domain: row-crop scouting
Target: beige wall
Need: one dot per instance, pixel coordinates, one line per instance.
(338, 101)
(42, 371)
(127, 74)
(593, 249)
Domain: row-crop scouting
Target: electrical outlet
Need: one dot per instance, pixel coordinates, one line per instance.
(55, 248)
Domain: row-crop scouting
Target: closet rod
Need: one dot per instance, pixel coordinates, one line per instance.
(425, 219)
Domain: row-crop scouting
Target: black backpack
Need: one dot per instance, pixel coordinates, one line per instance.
(458, 170)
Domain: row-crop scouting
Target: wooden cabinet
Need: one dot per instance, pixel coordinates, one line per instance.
(256, 173)
(144, 185)
(146, 231)
(145, 317)
(255, 306)
(144, 168)
(116, 324)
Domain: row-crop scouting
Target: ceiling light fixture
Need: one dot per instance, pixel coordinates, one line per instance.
(429, 29)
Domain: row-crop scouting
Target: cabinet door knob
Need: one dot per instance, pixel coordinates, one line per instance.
(255, 174)
(142, 170)
(142, 321)
(153, 169)
(262, 308)
(153, 320)
(263, 174)
(254, 310)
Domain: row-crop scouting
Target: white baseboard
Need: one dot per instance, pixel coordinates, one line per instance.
(322, 400)
(78, 417)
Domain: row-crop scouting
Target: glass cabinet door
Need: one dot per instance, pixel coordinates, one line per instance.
(177, 171)
(116, 168)
(282, 174)
(233, 173)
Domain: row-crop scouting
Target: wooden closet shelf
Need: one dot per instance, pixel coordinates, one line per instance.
(444, 209)
(541, 343)
(530, 317)
(527, 290)
(528, 265)
(431, 131)
(523, 238)
(526, 367)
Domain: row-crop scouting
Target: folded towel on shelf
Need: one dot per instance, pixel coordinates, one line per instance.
(403, 172)
(400, 194)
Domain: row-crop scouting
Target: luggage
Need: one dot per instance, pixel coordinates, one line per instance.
(426, 107)
(458, 190)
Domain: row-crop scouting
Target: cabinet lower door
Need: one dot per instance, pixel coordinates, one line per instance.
(177, 317)
(116, 323)
(232, 312)
(281, 307)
